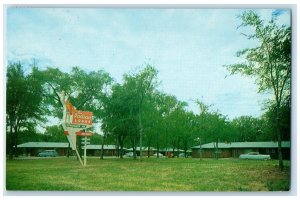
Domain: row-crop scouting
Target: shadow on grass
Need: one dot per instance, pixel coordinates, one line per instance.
(278, 185)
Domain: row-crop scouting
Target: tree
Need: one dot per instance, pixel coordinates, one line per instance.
(247, 128)
(188, 132)
(212, 126)
(269, 62)
(152, 121)
(54, 134)
(117, 115)
(24, 99)
(165, 104)
(215, 129)
(285, 122)
(140, 86)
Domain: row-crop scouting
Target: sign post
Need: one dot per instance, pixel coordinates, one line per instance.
(74, 123)
(84, 163)
(85, 141)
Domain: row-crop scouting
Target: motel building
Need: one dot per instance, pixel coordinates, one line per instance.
(34, 148)
(235, 149)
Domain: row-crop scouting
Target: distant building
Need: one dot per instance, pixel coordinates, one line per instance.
(108, 150)
(33, 148)
(169, 151)
(145, 151)
(234, 149)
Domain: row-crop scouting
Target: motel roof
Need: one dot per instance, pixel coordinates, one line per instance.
(221, 145)
(44, 145)
(60, 145)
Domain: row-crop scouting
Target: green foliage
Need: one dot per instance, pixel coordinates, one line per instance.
(85, 90)
(54, 134)
(211, 125)
(124, 110)
(24, 102)
(285, 119)
(54, 81)
(89, 89)
(23, 97)
(117, 118)
(248, 129)
(96, 139)
(270, 62)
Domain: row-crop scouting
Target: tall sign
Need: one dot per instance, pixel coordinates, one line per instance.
(75, 122)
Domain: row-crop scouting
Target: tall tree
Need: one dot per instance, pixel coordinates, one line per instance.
(269, 62)
(117, 115)
(165, 105)
(212, 126)
(24, 99)
(141, 86)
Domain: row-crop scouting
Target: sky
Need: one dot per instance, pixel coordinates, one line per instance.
(189, 47)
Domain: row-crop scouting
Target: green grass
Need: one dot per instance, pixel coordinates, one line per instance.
(178, 174)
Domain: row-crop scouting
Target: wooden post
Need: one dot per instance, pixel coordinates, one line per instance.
(85, 141)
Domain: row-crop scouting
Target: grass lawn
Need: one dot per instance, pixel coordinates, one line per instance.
(178, 174)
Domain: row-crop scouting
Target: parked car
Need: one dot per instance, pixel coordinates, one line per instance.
(254, 156)
(129, 154)
(159, 155)
(48, 153)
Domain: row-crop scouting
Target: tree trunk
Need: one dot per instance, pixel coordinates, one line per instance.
(185, 149)
(149, 151)
(68, 151)
(121, 148)
(117, 151)
(173, 150)
(16, 142)
(280, 159)
(11, 146)
(134, 152)
(141, 134)
(102, 146)
(177, 149)
(200, 149)
(217, 149)
(157, 151)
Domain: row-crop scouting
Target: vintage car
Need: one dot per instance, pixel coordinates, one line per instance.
(254, 156)
(129, 155)
(159, 155)
(48, 153)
